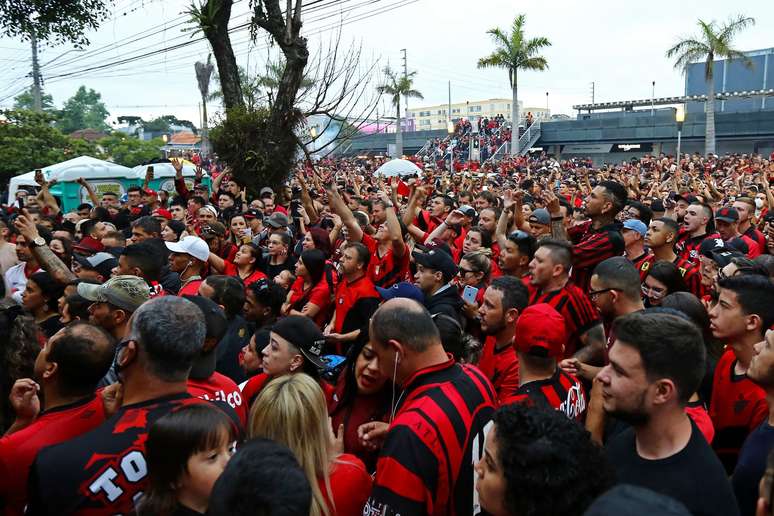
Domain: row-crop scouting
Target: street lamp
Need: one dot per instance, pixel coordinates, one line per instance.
(679, 118)
(450, 130)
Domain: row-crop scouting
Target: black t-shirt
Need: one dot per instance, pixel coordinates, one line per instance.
(751, 466)
(272, 270)
(693, 476)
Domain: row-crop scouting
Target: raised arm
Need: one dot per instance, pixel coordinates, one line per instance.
(504, 222)
(558, 230)
(339, 207)
(306, 199)
(48, 261)
(393, 226)
(89, 190)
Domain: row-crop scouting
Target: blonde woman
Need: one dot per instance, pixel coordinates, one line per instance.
(291, 410)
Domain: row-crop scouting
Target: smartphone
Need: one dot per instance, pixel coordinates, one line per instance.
(469, 294)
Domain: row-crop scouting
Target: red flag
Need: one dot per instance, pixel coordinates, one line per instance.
(403, 188)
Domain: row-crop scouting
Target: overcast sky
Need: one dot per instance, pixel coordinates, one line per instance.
(618, 45)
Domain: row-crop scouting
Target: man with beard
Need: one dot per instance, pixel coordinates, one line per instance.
(696, 226)
(67, 370)
(503, 301)
(660, 238)
(599, 238)
(656, 364)
(752, 457)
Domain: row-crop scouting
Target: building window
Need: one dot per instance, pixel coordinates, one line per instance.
(474, 109)
(424, 122)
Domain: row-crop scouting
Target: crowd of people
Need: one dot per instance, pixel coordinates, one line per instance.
(534, 337)
(490, 135)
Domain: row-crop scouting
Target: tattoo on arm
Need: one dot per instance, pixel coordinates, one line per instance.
(51, 263)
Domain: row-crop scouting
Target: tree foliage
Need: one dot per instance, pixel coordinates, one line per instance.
(29, 141)
(84, 110)
(25, 101)
(56, 21)
(245, 140)
(130, 151)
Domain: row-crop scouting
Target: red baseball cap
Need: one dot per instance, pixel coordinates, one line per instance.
(150, 192)
(540, 331)
(161, 212)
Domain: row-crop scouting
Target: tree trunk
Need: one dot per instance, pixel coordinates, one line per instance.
(514, 117)
(217, 34)
(709, 126)
(398, 134)
(205, 146)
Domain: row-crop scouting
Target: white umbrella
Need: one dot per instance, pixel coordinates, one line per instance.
(398, 167)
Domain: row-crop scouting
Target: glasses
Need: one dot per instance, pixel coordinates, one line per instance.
(593, 294)
(466, 271)
(654, 292)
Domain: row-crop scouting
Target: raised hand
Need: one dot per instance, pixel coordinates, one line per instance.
(24, 399)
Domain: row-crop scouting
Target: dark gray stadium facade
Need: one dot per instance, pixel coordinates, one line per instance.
(741, 126)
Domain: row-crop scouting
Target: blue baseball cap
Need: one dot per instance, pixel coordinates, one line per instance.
(636, 225)
(402, 289)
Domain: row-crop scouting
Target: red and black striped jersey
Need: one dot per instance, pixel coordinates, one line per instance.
(687, 247)
(639, 261)
(386, 270)
(101, 472)
(580, 314)
(592, 246)
(561, 391)
(426, 463)
(737, 406)
(690, 272)
(755, 234)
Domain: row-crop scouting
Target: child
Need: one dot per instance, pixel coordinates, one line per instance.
(187, 451)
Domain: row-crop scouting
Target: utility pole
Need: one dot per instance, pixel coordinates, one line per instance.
(405, 76)
(653, 99)
(37, 104)
(593, 85)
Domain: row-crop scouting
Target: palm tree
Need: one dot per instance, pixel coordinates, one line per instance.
(203, 75)
(713, 41)
(398, 86)
(514, 52)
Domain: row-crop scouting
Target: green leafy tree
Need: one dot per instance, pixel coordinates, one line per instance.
(56, 21)
(24, 101)
(84, 110)
(398, 86)
(714, 41)
(515, 52)
(30, 141)
(130, 151)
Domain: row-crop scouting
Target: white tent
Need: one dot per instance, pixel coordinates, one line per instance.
(70, 170)
(166, 172)
(398, 167)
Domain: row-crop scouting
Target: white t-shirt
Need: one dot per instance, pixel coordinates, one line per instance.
(16, 281)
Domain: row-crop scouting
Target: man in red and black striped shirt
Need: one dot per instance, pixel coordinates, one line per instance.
(389, 262)
(697, 227)
(660, 238)
(550, 284)
(438, 425)
(745, 206)
(597, 239)
(540, 338)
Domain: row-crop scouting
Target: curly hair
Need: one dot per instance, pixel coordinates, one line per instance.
(19, 347)
(550, 465)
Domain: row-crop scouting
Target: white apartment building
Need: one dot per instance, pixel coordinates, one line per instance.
(435, 117)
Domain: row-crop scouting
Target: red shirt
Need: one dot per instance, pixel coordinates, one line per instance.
(737, 407)
(356, 301)
(18, 450)
(222, 388)
(384, 271)
(700, 416)
(687, 247)
(190, 289)
(350, 486)
(500, 366)
(231, 269)
(319, 295)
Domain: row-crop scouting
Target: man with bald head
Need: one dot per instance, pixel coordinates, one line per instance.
(438, 423)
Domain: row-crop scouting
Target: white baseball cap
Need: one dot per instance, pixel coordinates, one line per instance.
(191, 245)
